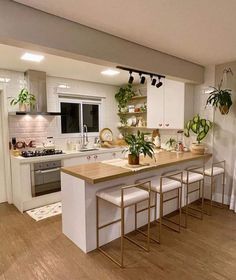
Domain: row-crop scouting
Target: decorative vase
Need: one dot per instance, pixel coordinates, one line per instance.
(224, 109)
(133, 159)
(198, 149)
(22, 107)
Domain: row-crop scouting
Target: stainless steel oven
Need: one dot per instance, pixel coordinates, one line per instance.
(45, 177)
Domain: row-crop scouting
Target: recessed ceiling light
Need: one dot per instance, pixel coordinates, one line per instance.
(4, 80)
(63, 86)
(110, 72)
(32, 57)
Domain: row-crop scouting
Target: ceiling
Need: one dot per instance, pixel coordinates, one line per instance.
(59, 67)
(201, 31)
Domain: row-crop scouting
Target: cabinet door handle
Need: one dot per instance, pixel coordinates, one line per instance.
(88, 157)
(95, 156)
(160, 124)
(167, 124)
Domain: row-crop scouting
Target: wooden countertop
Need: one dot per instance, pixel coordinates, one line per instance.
(100, 172)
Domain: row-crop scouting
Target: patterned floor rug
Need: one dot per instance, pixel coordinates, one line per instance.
(45, 212)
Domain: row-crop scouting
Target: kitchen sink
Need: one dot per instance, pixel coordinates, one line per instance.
(88, 149)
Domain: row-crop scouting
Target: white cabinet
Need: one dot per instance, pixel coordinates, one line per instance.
(166, 105)
(92, 158)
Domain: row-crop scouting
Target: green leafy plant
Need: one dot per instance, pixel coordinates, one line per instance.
(220, 98)
(124, 95)
(137, 144)
(171, 142)
(198, 126)
(24, 98)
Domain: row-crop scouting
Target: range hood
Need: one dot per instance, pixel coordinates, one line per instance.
(36, 84)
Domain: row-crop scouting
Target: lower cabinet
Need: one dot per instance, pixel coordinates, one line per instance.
(92, 158)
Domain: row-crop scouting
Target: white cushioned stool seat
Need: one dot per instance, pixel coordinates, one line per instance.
(216, 171)
(192, 177)
(131, 195)
(167, 184)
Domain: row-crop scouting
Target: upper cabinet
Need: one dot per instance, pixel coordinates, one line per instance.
(169, 106)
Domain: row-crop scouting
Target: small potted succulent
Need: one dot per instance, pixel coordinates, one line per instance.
(123, 96)
(220, 98)
(24, 99)
(200, 127)
(138, 145)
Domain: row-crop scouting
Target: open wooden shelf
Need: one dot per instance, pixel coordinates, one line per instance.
(139, 97)
(130, 113)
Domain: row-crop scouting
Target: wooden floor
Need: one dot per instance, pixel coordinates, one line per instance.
(38, 250)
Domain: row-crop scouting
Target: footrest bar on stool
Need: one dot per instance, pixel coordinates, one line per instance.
(193, 215)
(168, 225)
(136, 243)
(109, 257)
(153, 239)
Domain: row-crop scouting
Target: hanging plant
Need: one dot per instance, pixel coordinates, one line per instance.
(220, 98)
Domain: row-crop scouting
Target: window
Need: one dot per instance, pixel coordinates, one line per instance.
(75, 113)
(91, 117)
(70, 117)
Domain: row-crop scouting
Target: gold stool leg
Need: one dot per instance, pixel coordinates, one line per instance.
(97, 221)
(202, 187)
(211, 203)
(122, 236)
(186, 210)
(223, 191)
(160, 215)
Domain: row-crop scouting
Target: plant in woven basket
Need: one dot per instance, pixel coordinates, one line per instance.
(138, 145)
(220, 98)
(198, 126)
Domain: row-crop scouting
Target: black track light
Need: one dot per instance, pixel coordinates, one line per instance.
(131, 78)
(142, 78)
(159, 84)
(153, 80)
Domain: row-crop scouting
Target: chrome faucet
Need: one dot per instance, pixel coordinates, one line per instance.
(84, 137)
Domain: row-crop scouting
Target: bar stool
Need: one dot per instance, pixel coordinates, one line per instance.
(216, 170)
(193, 175)
(123, 196)
(166, 183)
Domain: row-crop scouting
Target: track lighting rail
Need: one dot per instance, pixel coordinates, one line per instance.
(140, 72)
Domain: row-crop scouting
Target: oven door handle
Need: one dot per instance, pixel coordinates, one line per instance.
(47, 170)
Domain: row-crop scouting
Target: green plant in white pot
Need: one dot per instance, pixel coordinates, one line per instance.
(200, 127)
(24, 99)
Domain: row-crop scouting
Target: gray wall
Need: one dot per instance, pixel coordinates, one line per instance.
(29, 28)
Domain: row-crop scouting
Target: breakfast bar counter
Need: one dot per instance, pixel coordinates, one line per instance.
(80, 184)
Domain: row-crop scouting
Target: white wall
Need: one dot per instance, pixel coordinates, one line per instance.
(222, 140)
(37, 128)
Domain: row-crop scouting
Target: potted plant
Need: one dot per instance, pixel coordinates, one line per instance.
(137, 145)
(171, 143)
(200, 127)
(220, 98)
(123, 96)
(24, 99)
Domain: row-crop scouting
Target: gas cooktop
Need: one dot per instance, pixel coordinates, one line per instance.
(39, 153)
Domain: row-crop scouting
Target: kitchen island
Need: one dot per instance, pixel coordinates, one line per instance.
(80, 184)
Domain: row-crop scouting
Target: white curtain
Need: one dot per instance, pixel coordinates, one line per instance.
(233, 194)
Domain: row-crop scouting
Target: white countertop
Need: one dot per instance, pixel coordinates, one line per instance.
(66, 154)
